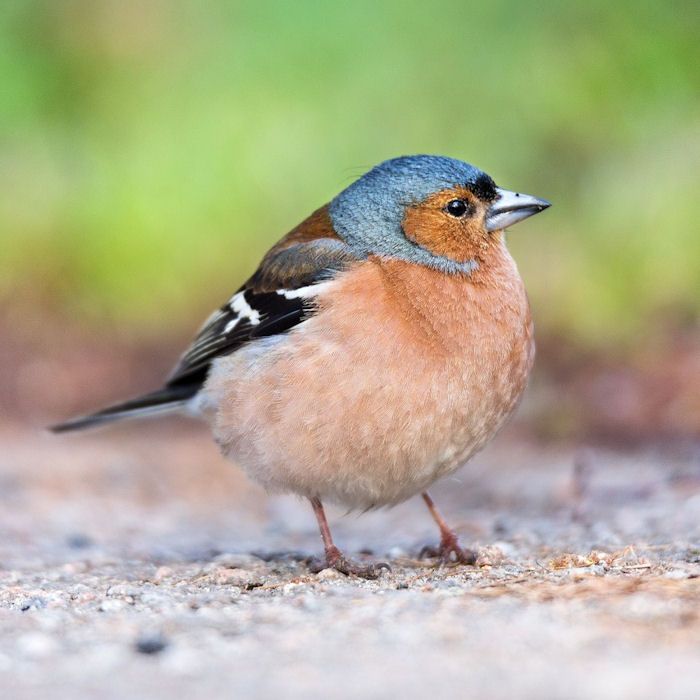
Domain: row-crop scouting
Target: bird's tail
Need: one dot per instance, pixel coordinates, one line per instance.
(166, 400)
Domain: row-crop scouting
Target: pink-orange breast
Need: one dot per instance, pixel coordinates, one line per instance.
(397, 380)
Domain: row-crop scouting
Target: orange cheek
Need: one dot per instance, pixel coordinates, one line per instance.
(431, 228)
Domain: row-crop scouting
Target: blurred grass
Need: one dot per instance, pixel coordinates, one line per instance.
(150, 152)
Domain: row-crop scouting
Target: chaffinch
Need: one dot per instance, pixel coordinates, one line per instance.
(378, 346)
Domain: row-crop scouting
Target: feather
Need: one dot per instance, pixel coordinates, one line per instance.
(158, 402)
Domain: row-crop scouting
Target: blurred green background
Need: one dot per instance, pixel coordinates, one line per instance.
(151, 151)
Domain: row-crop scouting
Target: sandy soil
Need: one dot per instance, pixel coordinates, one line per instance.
(135, 562)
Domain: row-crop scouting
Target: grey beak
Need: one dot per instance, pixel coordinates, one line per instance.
(511, 207)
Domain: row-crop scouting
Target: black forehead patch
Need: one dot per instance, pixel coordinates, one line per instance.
(483, 187)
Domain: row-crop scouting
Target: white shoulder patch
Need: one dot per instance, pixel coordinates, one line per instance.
(308, 292)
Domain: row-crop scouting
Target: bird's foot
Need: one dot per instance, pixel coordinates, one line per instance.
(449, 551)
(336, 560)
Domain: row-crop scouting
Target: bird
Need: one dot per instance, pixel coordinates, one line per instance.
(378, 346)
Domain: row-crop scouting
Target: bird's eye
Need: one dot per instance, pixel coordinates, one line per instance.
(457, 207)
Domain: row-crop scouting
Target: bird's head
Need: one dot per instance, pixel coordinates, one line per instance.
(430, 210)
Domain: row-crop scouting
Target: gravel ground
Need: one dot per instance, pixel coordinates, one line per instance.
(135, 563)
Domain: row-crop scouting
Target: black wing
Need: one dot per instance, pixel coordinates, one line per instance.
(267, 304)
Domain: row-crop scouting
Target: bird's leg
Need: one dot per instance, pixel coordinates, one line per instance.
(449, 549)
(334, 557)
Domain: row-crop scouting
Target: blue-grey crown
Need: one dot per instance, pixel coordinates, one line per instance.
(368, 213)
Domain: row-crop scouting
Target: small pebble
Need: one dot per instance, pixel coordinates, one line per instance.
(162, 573)
(78, 541)
(32, 604)
(291, 587)
(151, 644)
(329, 575)
(236, 577)
(112, 605)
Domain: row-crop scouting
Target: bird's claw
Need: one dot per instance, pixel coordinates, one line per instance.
(336, 560)
(449, 552)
